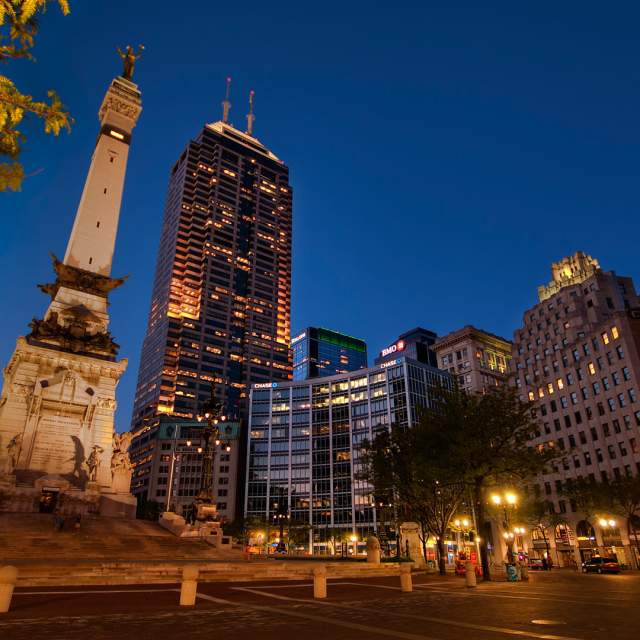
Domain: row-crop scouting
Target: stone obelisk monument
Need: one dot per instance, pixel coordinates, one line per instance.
(58, 447)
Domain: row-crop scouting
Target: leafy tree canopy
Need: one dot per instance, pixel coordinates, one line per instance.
(18, 28)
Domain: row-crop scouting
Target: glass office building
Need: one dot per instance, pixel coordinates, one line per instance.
(305, 437)
(322, 352)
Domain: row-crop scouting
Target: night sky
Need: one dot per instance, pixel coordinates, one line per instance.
(441, 157)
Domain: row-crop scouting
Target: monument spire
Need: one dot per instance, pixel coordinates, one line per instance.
(250, 117)
(226, 105)
(57, 424)
(93, 236)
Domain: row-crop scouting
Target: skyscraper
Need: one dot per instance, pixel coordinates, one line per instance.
(322, 352)
(220, 308)
(577, 356)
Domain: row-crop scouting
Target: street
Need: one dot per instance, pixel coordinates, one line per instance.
(556, 606)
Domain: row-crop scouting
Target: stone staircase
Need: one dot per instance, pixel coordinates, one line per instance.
(108, 551)
(31, 538)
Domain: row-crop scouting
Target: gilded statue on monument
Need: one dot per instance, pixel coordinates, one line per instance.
(129, 59)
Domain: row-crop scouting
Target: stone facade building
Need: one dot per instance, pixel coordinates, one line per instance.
(477, 358)
(167, 457)
(577, 357)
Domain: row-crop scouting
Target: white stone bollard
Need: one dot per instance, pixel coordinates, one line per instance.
(470, 574)
(406, 584)
(189, 586)
(373, 550)
(320, 582)
(8, 578)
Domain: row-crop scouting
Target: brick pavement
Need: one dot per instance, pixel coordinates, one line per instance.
(577, 606)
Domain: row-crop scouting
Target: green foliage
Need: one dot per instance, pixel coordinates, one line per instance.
(18, 27)
(465, 443)
(148, 509)
(398, 466)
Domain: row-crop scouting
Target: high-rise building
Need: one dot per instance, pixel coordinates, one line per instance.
(415, 344)
(477, 358)
(577, 356)
(322, 352)
(220, 309)
(167, 457)
(305, 438)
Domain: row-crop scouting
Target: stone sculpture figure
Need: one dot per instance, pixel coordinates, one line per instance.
(129, 59)
(13, 453)
(120, 459)
(93, 463)
(121, 466)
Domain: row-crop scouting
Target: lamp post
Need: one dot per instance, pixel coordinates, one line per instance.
(212, 413)
(280, 515)
(608, 526)
(506, 501)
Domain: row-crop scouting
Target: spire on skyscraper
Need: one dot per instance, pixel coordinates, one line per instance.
(226, 105)
(250, 117)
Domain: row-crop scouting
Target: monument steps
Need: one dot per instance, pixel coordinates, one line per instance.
(31, 537)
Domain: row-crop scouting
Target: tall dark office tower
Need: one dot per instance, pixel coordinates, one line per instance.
(322, 352)
(220, 309)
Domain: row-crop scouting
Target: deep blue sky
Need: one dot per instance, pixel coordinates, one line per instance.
(441, 156)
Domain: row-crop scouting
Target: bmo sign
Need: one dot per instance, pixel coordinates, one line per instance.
(394, 348)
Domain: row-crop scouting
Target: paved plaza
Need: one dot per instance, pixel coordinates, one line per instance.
(556, 606)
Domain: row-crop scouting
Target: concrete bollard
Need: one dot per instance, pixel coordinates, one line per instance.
(189, 586)
(320, 582)
(406, 584)
(8, 578)
(470, 574)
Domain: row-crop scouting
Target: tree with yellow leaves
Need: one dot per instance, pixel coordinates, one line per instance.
(18, 28)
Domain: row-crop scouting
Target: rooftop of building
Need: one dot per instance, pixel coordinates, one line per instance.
(358, 373)
(469, 331)
(243, 138)
(568, 271)
(331, 335)
(407, 335)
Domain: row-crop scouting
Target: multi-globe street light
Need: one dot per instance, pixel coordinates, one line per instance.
(508, 502)
(212, 413)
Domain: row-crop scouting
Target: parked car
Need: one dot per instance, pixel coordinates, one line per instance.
(597, 564)
(536, 564)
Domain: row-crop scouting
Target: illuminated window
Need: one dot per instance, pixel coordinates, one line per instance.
(605, 337)
(531, 396)
(560, 383)
(550, 387)
(592, 369)
(614, 332)
(540, 392)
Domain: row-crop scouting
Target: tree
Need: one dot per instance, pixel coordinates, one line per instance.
(19, 24)
(420, 492)
(624, 500)
(486, 440)
(539, 515)
(148, 509)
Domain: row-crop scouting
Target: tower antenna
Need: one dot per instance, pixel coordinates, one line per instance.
(226, 105)
(250, 117)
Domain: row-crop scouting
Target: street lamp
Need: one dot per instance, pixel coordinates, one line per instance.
(507, 501)
(212, 413)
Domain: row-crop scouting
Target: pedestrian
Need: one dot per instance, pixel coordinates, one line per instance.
(58, 521)
(76, 524)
